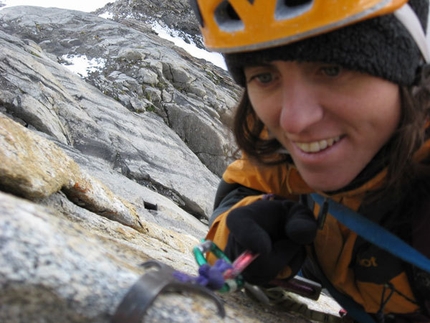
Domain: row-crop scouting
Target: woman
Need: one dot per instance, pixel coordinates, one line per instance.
(335, 103)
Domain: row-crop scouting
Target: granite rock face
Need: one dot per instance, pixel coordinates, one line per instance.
(142, 80)
(104, 170)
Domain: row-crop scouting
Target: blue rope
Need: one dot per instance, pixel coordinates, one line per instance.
(375, 234)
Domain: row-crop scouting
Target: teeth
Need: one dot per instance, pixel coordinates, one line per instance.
(316, 146)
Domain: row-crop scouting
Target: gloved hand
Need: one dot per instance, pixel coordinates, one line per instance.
(277, 230)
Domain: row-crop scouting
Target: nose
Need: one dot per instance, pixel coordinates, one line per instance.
(301, 107)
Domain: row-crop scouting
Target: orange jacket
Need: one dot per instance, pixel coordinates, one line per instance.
(361, 275)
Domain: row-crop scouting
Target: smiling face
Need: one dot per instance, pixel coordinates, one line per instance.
(331, 120)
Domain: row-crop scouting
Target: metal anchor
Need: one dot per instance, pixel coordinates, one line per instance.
(144, 292)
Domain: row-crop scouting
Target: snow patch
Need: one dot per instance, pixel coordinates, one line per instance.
(81, 65)
(173, 36)
(107, 15)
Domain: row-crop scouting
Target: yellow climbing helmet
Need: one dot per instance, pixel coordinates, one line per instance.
(230, 26)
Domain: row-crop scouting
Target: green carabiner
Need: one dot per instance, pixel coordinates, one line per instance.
(209, 246)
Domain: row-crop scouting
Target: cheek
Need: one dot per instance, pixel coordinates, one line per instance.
(388, 110)
(375, 107)
(266, 107)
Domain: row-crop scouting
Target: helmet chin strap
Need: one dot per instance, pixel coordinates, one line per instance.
(409, 19)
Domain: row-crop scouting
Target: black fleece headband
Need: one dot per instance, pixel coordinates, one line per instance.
(380, 47)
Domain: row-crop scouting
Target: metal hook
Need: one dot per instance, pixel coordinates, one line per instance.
(144, 292)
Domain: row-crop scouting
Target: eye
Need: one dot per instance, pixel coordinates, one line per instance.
(331, 70)
(261, 77)
(264, 78)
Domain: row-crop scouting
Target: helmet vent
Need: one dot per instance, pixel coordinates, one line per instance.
(227, 18)
(287, 9)
(294, 3)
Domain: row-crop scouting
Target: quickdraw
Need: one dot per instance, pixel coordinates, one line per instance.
(223, 277)
(232, 271)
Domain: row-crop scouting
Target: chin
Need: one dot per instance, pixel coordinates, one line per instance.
(327, 185)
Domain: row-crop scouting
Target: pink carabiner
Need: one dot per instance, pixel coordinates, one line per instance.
(240, 264)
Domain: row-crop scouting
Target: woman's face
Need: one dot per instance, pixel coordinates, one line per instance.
(331, 120)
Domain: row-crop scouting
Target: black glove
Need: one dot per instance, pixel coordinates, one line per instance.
(277, 230)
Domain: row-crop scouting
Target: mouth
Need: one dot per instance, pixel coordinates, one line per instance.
(317, 146)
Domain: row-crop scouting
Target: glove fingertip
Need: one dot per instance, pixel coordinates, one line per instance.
(301, 230)
(248, 233)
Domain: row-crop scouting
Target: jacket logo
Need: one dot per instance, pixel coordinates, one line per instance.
(371, 262)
